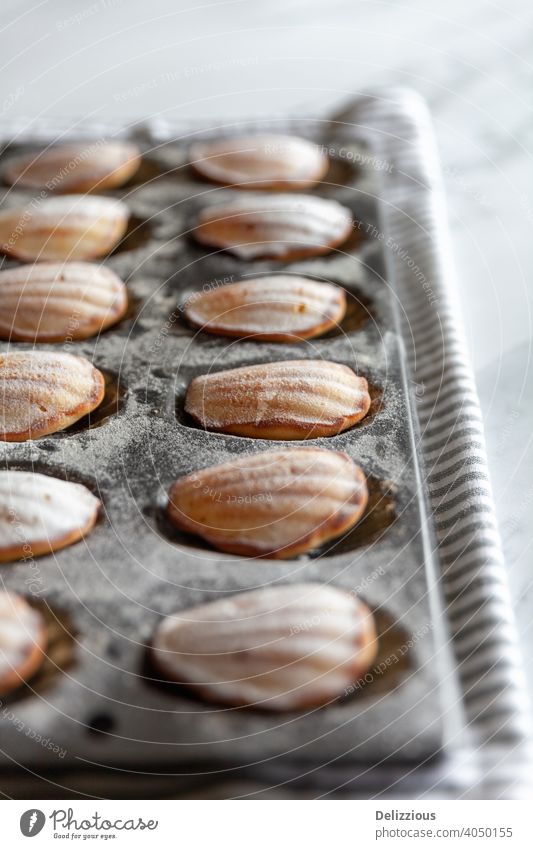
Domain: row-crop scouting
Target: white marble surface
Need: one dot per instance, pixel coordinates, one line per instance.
(473, 61)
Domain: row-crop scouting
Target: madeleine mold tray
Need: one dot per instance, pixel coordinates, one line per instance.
(96, 701)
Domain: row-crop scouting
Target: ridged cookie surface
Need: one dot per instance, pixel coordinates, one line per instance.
(260, 162)
(296, 399)
(281, 648)
(42, 392)
(278, 503)
(277, 226)
(281, 308)
(69, 227)
(22, 641)
(39, 514)
(58, 302)
(78, 167)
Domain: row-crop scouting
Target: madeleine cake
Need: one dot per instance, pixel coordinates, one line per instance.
(23, 641)
(42, 392)
(75, 167)
(283, 227)
(260, 162)
(59, 302)
(69, 227)
(296, 399)
(280, 648)
(277, 308)
(277, 504)
(40, 514)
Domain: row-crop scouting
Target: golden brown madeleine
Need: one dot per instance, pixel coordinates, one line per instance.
(281, 308)
(260, 162)
(63, 228)
(75, 167)
(43, 392)
(277, 504)
(59, 302)
(40, 514)
(289, 647)
(23, 641)
(296, 399)
(284, 227)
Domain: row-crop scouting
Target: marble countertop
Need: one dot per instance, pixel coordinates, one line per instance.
(221, 60)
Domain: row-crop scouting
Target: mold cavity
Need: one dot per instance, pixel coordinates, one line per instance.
(376, 402)
(111, 405)
(137, 234)
(56, 471)
(383, 677)
(100, 723)
(148, 171)
(59, 655)
(358, 311)
(130, 324)
(379, 515)
(341, 172)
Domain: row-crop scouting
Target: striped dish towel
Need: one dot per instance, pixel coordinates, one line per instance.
(462, 513)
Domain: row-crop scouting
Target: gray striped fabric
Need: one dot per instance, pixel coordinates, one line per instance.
(451, 429)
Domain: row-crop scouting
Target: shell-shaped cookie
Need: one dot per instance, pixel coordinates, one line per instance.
(279, 226)
(42, 392)
(260, 162)
(59, 302)
(297, 399)
(23, 641)
(39, 514)
(75, 167)
(281, 308)
(69, 227)
(281, 648)
(277, 504)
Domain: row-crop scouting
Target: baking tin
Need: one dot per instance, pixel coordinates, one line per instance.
(96, 698)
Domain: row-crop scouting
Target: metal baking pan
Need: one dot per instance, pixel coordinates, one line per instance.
(96, 703)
